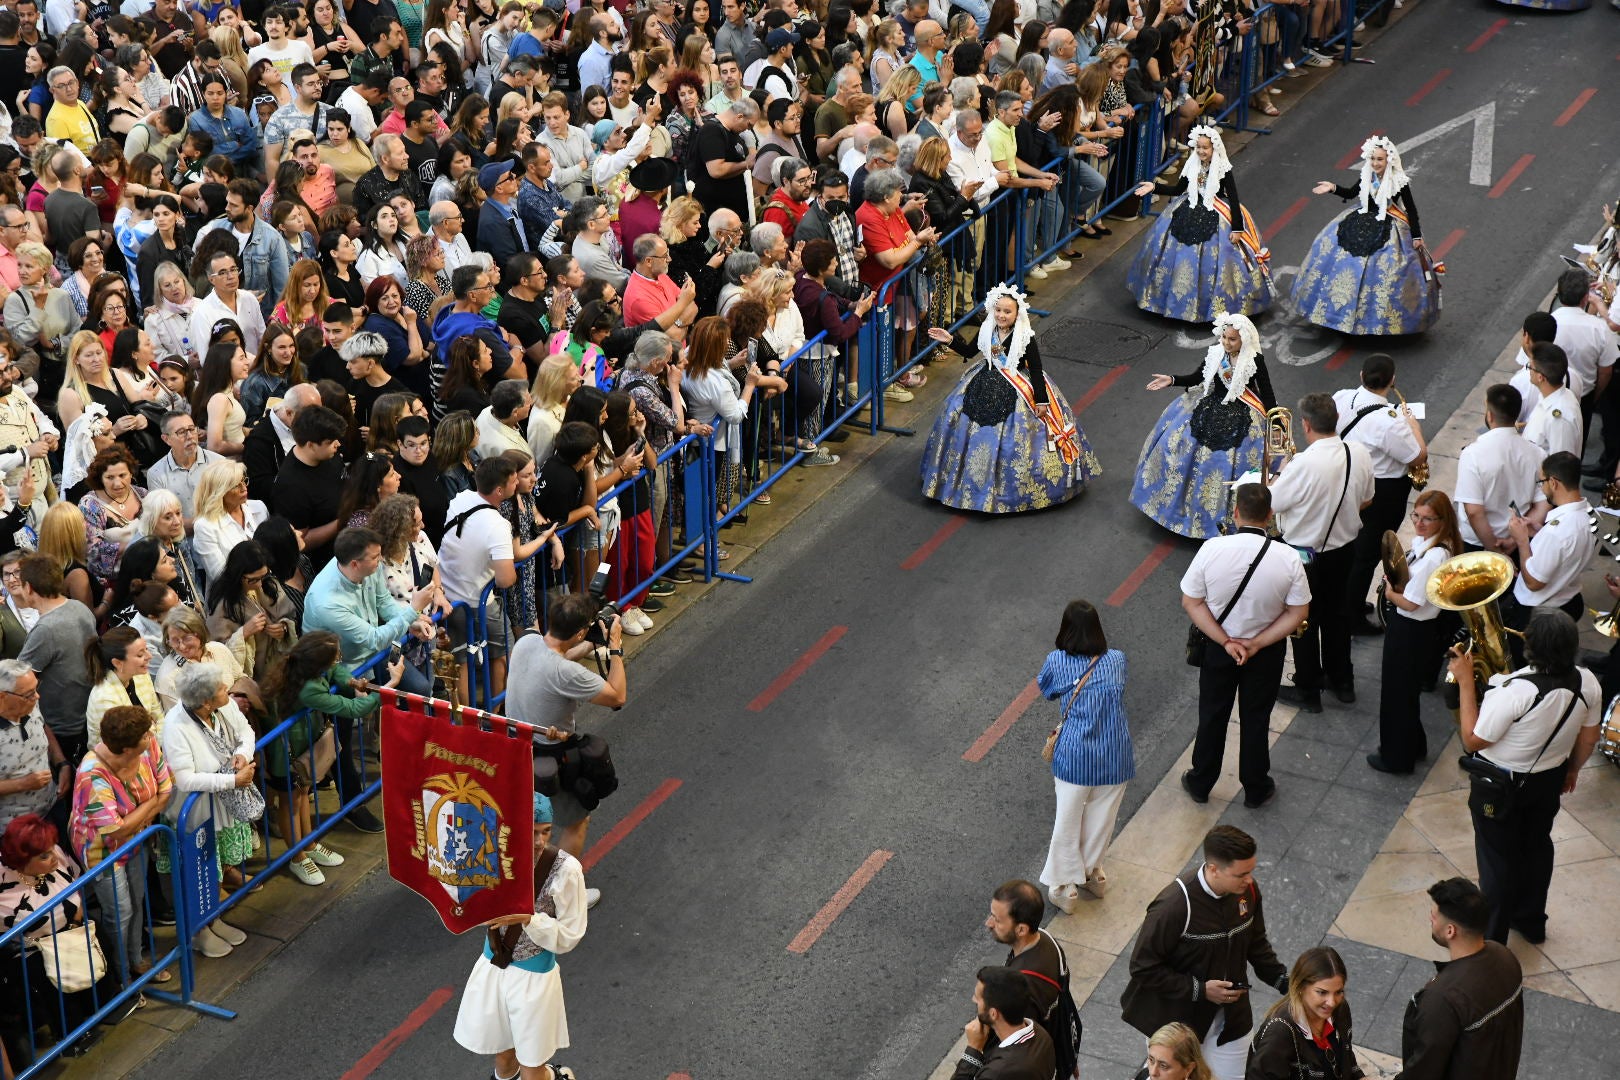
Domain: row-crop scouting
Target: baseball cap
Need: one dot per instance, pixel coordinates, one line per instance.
(493, 174)
(779, 37)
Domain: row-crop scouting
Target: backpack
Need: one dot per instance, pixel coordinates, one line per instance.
(1063, 1022)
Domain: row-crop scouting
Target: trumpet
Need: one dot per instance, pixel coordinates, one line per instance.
(1279, 445)
(1419, 473)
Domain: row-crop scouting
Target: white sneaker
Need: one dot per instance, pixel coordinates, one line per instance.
(1037, 272)
(306, 871)
(1288, 65)
(1057, 263)
(592, 898)
(900, 393)
(324, 856)
(646, 620)
(210, 944)
(1318, 60)
(629, 624)
(230, 934)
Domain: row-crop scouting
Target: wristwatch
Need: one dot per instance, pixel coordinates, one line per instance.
(615, 652)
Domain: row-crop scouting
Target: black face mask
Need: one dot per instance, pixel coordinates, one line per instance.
(834, 207)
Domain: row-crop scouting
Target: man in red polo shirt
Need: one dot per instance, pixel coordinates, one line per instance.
(794, 179)
(651, 291)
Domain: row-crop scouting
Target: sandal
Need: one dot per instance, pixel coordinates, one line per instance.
(763, 498)
(1267, 108)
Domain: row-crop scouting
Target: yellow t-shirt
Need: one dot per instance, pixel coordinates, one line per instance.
(74, 123)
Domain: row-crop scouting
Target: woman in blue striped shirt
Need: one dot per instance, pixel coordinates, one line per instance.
(1093, 758)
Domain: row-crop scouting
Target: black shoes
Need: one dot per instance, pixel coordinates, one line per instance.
(365, 820)
(1377, 762)
(1255, 804)
(1346, 693)
(1194, 793)
(1309, 701)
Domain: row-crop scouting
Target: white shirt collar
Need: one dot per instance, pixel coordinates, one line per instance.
(1020, 1035)
(1205, 884)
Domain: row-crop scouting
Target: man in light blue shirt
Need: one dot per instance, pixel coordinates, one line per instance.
(596, 63)
(350, 598)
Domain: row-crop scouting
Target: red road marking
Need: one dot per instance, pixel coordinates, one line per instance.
(679, 1076)
(1575, 106)
(1287, 215)
(1338, 359)
(845, 896)
(1448, 243)
(1160, 552)
(932, 544)
(1479, 42)
(1427, 88)
(1100, 389)
(614, 836)
(1355, 155)
(1003, 723)
(1508, 177)
(396, 1038)
(800, 666)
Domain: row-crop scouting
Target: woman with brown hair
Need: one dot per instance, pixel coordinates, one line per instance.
(304, 298)
(111, 509)
(714, 396)
(1307, 1033)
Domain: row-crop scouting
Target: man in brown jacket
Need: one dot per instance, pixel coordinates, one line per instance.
(1467, 1023)
(1199, 937)
(1003, 1041)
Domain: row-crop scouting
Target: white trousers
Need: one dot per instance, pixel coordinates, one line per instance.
(1228, 1062)
(1080, 831)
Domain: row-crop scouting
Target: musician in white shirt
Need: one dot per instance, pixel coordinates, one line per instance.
(1555, 422)
(1540, 724)
(1395, 441)
(1242, 660)
(1496, 476)
(1318, 499)
(1552, 560)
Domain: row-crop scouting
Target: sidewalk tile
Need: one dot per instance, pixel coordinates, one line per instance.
(1276, 826)
(1579, 849)
(1390, 874)
(1300, 897)
(1399, 922)
(1166, 829)
(1117, 1047)
(1404, 838)
(1599, 983)
(1310, 758)
(1346, 830)
(1443, 818)
(1377, 1066)
(1337, 724)
(1557, 983)
(1444, 774)
(1107, 925)
(1578, 895)
(1086, 969)
(1374, 972)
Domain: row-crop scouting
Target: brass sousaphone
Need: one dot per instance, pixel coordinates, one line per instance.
(1469, 584)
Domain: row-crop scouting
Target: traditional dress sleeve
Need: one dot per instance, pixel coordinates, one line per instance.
(1230, 194)
(1347, 191)
(561, 932)
(1262, 384)
(1192, 378)
(1031, 360)
(1405, 199)
(1174, 187)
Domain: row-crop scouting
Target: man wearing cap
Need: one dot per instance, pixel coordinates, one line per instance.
(651, 291)
(512, 1007)
(570, 147)
(778, 77)
(624, 147)
(499, 231)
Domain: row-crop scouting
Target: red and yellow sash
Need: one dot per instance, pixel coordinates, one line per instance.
(1247, 238)
(1061, 433)
(1400, 215)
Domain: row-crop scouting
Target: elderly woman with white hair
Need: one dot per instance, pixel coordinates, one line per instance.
(225, 514)
(209, 744)
(163, 519)
(168, 320)
(741, 268)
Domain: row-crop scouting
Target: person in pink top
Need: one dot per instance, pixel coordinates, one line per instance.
(641, 215)
(651, 291)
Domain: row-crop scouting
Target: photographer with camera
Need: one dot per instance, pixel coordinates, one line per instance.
(548, 684)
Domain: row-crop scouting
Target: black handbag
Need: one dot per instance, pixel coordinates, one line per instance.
(145, 443)
(1494, 789)
(1196, 638)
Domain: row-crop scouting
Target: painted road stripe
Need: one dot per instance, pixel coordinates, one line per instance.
(1508, 177)
(845, 896)
(1479, 42)
(1451, 241)
(1287, 215)
(1429, 87)
(1338, 359)
(1100, 389)
(1576, 106)
(1003, 723)
(1160, 552)
(614, 836)
(933, 543)
(800, 666)
(396, 1038)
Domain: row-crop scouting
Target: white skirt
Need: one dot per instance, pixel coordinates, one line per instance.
(513, 1010)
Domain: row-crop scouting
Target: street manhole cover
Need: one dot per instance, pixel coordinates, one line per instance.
(1088, 341)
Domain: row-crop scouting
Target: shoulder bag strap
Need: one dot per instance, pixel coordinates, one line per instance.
(1075, 693)
(1340, 505)
(1244, 584)
(1360, 415)
(502, 942)
(1574, 696)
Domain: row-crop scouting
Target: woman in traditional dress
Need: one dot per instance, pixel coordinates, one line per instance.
(1205, 256)
(1006, 440)
(515, 1011)
(1205, 441)
(1369, 272)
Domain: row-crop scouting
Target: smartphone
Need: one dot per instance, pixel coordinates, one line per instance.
(1237, 985)
(394, 654)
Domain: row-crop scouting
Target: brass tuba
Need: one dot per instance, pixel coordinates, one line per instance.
(1279, 447)
(1469, 585)
(1419, 473)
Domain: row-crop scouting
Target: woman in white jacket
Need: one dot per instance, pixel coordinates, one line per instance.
(515, 1011)
(209, 744)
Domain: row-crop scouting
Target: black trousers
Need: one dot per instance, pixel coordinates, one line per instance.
(1324, 648)
(1607, 408)
(1409, 661)
(1385, 512)
(1254, 688)
(1515, 855)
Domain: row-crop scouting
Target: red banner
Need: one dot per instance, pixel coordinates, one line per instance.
(458, 803)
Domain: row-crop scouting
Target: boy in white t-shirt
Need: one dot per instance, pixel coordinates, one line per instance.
(281, 50)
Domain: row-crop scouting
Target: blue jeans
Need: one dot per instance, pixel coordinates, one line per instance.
(1082, 186)
(1290, 29)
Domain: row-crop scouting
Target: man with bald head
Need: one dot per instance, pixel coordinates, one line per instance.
(268, 444)
(447, 221)
(1063, 60)
(931, 59)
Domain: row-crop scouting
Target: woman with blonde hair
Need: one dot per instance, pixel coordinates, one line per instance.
(233, 59)
(888, 44)
(1307, 1032)
(895, 105)
(304, 298)
(63, 539)
(40, 315)
(168, 320)
(1174, 1053)
(90, 382)
(225, 515)
(554, 384)
(784, 325)
(188, 642)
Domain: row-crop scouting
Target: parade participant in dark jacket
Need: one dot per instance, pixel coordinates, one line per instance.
(1199, 937)
(1004, 1042)
(1307, 1033)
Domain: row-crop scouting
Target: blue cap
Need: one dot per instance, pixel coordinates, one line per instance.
(779, 37)
(491, 174)
(542, 809)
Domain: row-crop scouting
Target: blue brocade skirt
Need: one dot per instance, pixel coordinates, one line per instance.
(1386, 292)
(1183, 484)
(1549, 5)
(1196, 282)
(1004, 468)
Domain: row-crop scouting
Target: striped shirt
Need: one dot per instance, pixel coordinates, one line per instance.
(1094, 748)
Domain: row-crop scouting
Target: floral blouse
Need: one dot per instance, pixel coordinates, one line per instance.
(101, 800)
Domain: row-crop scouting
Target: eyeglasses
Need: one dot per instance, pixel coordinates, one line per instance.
(184, 433)
(32, 695)
(229, 271)
(61, 84)
(1423, 519)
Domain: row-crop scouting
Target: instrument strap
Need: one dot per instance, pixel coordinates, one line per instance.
(1360, 413)
(1335, 518)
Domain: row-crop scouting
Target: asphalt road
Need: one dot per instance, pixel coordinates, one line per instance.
(687, 968)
